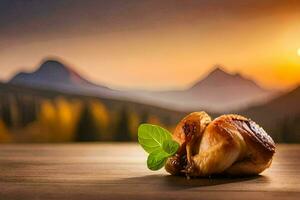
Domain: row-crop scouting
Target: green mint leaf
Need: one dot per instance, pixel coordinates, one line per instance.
(157, 159)
(158, 142)
(170, 147)
(151, 137)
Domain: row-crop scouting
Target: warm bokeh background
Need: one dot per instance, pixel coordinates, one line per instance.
(74, 70)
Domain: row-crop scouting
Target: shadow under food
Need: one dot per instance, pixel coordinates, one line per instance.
(180, 182)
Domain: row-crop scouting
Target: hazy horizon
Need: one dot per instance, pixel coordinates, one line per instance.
(154, 44)
(193, 82)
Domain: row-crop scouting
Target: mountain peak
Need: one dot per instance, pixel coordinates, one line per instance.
(56, 67)
(218, 69)
(51, 70)
(219, 77)
(52, 63)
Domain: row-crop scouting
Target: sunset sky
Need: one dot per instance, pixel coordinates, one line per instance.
(154, 44)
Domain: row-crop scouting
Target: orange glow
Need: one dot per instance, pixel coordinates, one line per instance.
(175, 54)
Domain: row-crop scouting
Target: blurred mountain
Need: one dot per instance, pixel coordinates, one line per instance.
(52, 74)
(280, 117)
(219, 91)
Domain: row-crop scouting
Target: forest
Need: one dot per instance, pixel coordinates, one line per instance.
(32, 115)
(38, 115)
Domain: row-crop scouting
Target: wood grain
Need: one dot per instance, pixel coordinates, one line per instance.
(115, 171)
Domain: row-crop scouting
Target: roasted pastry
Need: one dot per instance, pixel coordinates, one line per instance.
(230, 144)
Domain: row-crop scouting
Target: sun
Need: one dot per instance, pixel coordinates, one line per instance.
(298, 52)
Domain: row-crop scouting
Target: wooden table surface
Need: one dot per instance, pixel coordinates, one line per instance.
(119, 171)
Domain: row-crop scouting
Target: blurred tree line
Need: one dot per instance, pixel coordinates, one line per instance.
(28, 115)
(289, 129)
(61, 118)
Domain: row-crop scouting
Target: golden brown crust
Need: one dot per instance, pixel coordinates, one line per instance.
(250, 130)
(198, 119)
(260, 147)
(229, 144)
(218, 150)
(188, 133)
